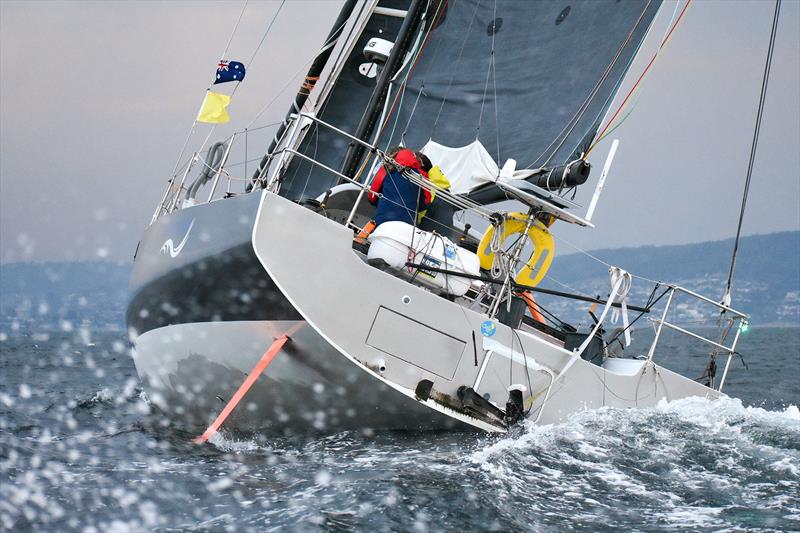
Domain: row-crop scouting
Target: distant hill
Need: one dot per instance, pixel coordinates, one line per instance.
(766, 283)
(63, 295)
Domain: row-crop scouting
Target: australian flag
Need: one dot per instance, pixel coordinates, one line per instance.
(229, 71)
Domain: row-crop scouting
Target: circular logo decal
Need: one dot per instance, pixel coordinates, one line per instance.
(488, 328)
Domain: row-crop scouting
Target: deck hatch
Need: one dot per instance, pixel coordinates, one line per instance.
(415, 343)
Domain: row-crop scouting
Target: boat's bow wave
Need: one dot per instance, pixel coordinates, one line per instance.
(687, 463)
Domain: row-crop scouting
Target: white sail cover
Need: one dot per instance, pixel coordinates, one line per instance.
(466, 167)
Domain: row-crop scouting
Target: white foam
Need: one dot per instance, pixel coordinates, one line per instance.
(722, 411)
(715, 416)
(694, 516)
(227, 444)
(669, 455)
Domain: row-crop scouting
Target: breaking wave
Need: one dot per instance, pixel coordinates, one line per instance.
(86, 451)
(690, 463)
(131, 393)
(693, 463)
(101, 397)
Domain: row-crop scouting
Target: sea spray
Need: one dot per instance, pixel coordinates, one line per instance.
(81, 452)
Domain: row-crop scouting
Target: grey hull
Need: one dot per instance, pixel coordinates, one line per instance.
(202, 313)
(197, 265)
(191, 370)
(361, 339)
(376, 319)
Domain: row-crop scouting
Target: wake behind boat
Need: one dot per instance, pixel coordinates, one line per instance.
(282, 308)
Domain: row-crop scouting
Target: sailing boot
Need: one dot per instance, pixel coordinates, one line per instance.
(361, 238)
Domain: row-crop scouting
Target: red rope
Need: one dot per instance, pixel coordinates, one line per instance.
(266, 359)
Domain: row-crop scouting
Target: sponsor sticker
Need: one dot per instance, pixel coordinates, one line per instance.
(431, 262)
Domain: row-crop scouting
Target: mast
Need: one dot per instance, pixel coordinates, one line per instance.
(373, 109)
(308, 83)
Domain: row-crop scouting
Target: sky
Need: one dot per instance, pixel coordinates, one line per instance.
(96, 99)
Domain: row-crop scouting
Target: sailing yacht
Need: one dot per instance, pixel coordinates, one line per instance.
(257, 309)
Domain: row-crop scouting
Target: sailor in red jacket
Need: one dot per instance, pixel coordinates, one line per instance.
(400, 199)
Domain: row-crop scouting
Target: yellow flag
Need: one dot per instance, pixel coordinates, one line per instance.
(213, 110)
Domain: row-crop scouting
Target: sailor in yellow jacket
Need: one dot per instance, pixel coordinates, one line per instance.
(439, 215)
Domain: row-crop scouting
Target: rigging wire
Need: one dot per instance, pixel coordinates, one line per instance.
(494, 86)
(414, 54)
(762, 98)
(314, 131)
(222, 57)
(435, 50)
(325, 92)
(414, 62)
(617, 125)
(230, 39)
(550, 277)
(455, 67)
(603, 112)
(410, 115)
(609, 265)
(619, 82)
(396, 121)
(651, 301)
(292, 79)
(249, 62)
(573, 122)
(284, 87)
(489, 71)
(661, 47)
(194, 122)
(264, 37)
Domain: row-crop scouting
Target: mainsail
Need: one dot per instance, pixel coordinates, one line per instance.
(530, 81)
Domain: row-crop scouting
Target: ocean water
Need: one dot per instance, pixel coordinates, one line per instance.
(82, 450)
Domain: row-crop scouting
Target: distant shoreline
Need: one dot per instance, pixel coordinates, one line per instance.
(766, 284)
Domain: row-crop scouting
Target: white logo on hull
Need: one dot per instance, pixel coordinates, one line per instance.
(169, 246)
